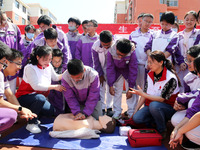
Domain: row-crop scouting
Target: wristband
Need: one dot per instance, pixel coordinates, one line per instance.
(20, 108)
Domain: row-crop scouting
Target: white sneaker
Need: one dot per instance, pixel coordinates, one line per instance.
(33, 128)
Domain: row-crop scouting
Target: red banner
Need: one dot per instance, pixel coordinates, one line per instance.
(114, 28)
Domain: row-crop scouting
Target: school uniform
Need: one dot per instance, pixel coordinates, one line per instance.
(7, 116)
(191, 82)
(84, 49)
(73, 38)
(193, 107)
(11, 36)
(42, 42)
(26, 42)
(63, 39)
(119, 69)
(141, 40)
(33, 90)
(83, 96)
(164, 85)
(184, 44)
(99, 56)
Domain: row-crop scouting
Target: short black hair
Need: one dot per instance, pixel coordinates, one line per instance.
(40, 51)
(74, 19)
(94, 22)
(57, 53)
(75, 66)
(50, 33)
(168, 16)
(148, 15)
(197, 64)
(140, 15)
(29, 27)
(194, 51)
(124, 46)
(5, 51)
(44, 19)
(85, 22)
(15, 54)
(106, 36)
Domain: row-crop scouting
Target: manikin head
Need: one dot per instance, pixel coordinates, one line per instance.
(108, 124)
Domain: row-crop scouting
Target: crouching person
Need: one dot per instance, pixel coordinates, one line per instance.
(82, 90)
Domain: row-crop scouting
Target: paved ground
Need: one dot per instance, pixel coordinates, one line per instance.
(23, 122)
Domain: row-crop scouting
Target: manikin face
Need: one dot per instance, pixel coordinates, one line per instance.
(189, 21)
(44, 60)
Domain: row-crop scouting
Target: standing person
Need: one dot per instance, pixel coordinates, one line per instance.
(84, 27)
(10, 61)
(82, 90)
(139, 20)
(84, 45)
(122, 64)
(141, 37)
(73, 34)
(50, 39)
(36, 84)
(11, 36)
(159, 94)
(99, 52)
(187, 39)
(181, 118)
(56, 98)
(29, 34)
(44, 23)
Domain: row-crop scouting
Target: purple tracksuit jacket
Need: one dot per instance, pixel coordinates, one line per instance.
(84, 49)
(126, 66)
(85, 92)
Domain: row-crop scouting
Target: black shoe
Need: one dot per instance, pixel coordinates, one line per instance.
(190, 145)
(109, 112)
(103, 111)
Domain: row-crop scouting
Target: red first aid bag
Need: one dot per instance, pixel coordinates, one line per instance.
(144, 137)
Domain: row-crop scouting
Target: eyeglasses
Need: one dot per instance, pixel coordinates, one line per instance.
(89, 26)
(188, 61)
(148, 22)
(18, 64)
(4, 65)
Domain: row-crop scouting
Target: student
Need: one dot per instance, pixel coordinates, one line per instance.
(50, 39)
(139, 20)
(37, 32)
(10, 61)
(99, 52)
(182, 118)
(73, 34)
(29, 34)
(84, 27)
(44, 23)
(82, 90)
(56, 98)
(84, 45)
(159, 94)
(36, 84)
(11, 36)
(175, 27)
(192, 124)
(141, 37)
(122, 64)
(187, 39)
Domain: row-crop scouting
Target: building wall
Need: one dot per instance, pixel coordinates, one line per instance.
(33, 20)
(121, 18)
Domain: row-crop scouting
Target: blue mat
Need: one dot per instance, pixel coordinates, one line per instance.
(106, 141)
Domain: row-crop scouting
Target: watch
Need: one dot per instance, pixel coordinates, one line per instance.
(20, 108)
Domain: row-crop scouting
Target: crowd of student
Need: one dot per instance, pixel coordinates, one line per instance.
(84, 74)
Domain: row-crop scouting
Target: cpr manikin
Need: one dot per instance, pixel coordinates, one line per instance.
(65, 126)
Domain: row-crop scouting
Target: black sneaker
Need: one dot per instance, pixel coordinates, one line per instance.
(190, 145)
(109, 112)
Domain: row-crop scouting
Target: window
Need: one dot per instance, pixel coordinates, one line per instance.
(1, 2)
(41, 11)
(28, 18)
(23, 21)
(176, 18)
(16, 17)
(161, 14)
(172, 3)
(17, 4)
(24, 9)
(52, 16)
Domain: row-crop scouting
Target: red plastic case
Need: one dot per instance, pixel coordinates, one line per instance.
(144, 137)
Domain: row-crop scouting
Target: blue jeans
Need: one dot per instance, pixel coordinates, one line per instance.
(38, 104)
(156, 112)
